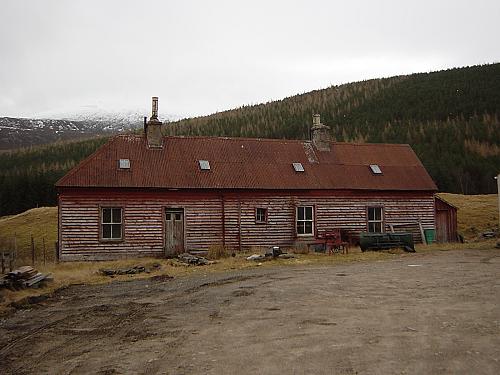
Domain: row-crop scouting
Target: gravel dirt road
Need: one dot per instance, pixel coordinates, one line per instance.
(432, 313)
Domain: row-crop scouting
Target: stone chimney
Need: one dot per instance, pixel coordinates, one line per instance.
(152, 128)
(320, 134)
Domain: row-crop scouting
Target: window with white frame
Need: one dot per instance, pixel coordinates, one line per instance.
(305, 221)
(111, 223)
(375, 219)
(260, 215)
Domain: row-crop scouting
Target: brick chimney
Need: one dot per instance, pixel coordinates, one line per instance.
(152, 128)
(320, 134)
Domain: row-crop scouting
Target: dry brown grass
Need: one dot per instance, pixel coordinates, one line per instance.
(476, 213)
(39, 222)
(217, 252)
(71, 273)
(471, 245)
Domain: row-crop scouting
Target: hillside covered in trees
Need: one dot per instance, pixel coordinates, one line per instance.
(450, 118)
(28, 175)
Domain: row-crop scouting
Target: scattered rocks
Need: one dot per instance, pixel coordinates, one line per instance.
(256, 257)
(193, 259)
(272, 253)
(488, 234)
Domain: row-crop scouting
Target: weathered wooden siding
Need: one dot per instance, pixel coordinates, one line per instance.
(204, 226)
(446, 225)
(331, 211)
(143, 224)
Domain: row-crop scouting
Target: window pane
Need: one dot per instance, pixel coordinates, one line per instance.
(117, 215)
(308, 227)
(260, 214)
(300, 213)
(309, 213)
(375, 227)
(371, 213)
(106, 231)
(116, 231)
(168, 216)
(374, 213)
(300, 227)
(106, 215)
(177, 216)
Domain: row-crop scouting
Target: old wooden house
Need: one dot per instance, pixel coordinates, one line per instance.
(154, 196)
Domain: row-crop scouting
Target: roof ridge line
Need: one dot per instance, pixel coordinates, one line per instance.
(277, 140)
(234, 138)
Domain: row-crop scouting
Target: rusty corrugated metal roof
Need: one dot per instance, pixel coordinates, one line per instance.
(242, 163)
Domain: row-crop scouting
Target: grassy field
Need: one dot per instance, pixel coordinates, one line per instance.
(41, 223)
(476, 213)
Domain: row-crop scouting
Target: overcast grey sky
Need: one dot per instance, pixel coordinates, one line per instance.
(205, 56)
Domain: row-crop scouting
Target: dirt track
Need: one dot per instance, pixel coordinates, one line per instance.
(436, 313)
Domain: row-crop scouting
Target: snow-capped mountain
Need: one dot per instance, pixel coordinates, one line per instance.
(111, 119)
(55, 126)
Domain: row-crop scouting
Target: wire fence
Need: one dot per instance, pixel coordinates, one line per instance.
(18, 251)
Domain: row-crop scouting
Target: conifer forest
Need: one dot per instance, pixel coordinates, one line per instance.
(450, 118)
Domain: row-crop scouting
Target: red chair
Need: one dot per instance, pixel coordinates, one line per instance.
(334, 243)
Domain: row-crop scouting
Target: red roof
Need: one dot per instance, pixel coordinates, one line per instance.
(242, 163)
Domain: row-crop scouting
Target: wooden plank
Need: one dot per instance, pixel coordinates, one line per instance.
(424, 240)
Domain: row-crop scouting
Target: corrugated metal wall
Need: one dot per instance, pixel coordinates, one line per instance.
(144, 220)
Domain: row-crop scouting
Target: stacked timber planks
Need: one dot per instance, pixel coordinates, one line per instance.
(23, 277)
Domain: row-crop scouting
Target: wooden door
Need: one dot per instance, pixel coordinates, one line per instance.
(174, 231)
(442, 226)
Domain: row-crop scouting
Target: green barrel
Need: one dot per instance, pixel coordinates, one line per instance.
(430, 235)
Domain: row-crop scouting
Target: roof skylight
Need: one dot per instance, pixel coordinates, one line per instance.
(204, 165)
(298, 167)
(375, 169)
(124, 163)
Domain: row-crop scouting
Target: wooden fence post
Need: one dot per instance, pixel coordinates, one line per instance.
(32, 251)
(43, 243)
(12, 255)
(14, 258)
(56, 247)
